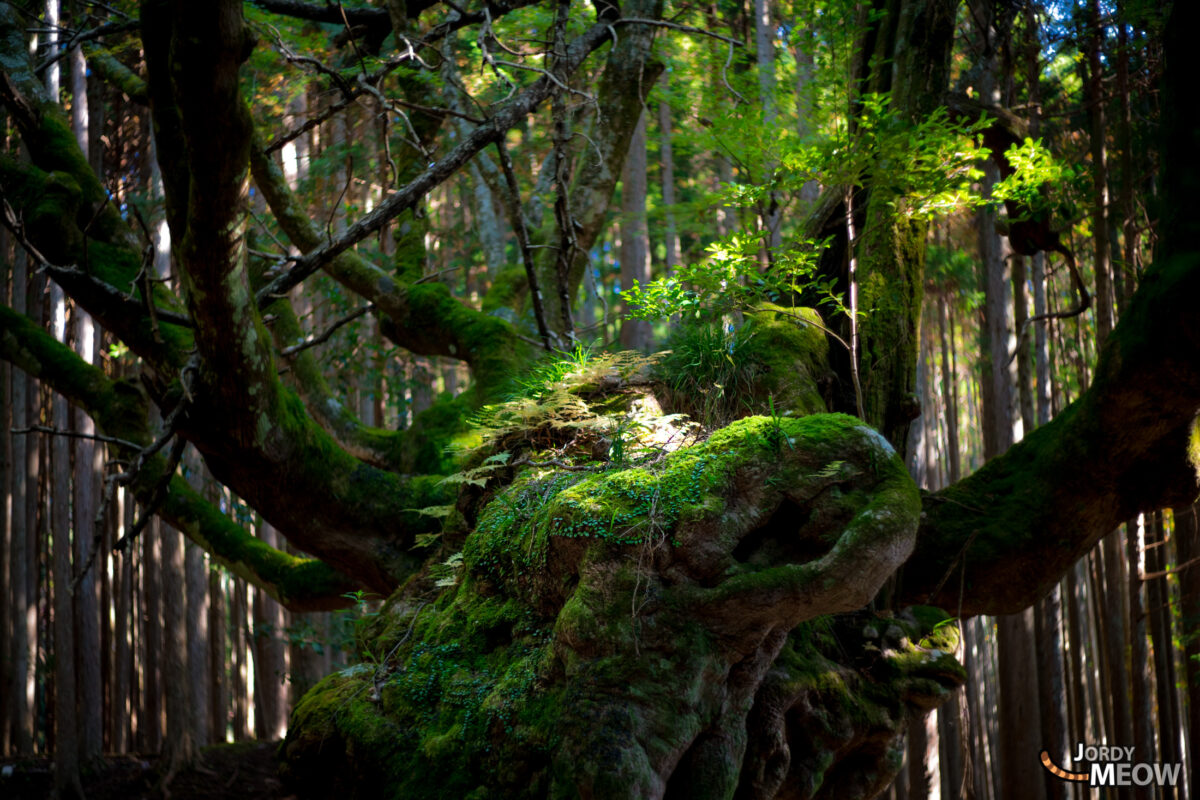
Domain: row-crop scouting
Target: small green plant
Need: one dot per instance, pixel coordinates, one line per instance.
(776, 435)
(542, 376)
(709, 371)
(623, 438)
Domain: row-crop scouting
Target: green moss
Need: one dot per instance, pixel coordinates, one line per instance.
(507, 290)
(792, 353)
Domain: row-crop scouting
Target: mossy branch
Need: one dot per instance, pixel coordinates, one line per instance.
(119, 409)
(1019, 523)
(422, 318)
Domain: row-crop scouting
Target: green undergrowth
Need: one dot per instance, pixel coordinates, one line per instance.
(717, 373)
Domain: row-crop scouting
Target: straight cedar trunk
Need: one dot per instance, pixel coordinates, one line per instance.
(1187, 533)
(218, 699)
(24, 604)
(270, 665)
(196, 590)
(1095, 98)
(1139, 654)
(179, 745)
(120, 688)
(1078, 707)
(667, 171)
(923, 766)
(66, 721)
(953, 455)
(636, 334)
(1161, 635)
(1115, 571)
(37, 527)
(1015, 639)
(150, 645)
(86, 483)
(8, 620)
(1033, 384)
(218, 691)
(239, 688)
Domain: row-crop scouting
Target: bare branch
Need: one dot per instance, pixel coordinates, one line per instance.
(509, 115)
(313, 341)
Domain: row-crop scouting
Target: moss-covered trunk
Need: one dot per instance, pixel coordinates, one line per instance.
(648, 628)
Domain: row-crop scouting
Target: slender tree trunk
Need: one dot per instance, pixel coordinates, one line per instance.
(240, 688)
(218, 701)
(270, 659)
(1187, 533)
(1015, 641)
(8, 619)
(1023, 355)
(636, 334)
(66, 722)
(1139, 655)
(150, 720)
(196, 591)
(1127, 275)
(120, 707)
(179, 746)
(764, 38)
(1095, 103)
(667, 166)
(88, 467)
(24, 604)
(950, 393)
(1159, 624)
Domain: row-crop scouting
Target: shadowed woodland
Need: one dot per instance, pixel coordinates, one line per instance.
(754, 399)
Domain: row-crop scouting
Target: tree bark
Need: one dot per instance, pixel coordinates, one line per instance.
(179, 744)
(66, 721)
(636, 334)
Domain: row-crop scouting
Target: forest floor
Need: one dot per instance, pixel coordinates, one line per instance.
(243, 771)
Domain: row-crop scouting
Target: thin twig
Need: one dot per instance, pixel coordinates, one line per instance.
(675, 26)
(313, 341)
(512, 204)
(157, 497)
(96, 437)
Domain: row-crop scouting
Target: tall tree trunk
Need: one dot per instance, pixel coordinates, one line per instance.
(24, 603)
(950, 393)
(764, 39)
(1139, 655)
(1023, 355)
(240, 688)
(120, 707)
(196, 582)
(666, 156)
(1095, 103)
(66, 722)
(636, 334)
(218, 701)
(923, 765)
(1187, 534)
(150, 720)
(1159, 624)
(179, 744)
(8, 619)
(270, 664)
(196, 593)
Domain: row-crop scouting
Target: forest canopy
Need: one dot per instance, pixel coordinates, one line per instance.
(589, 352)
